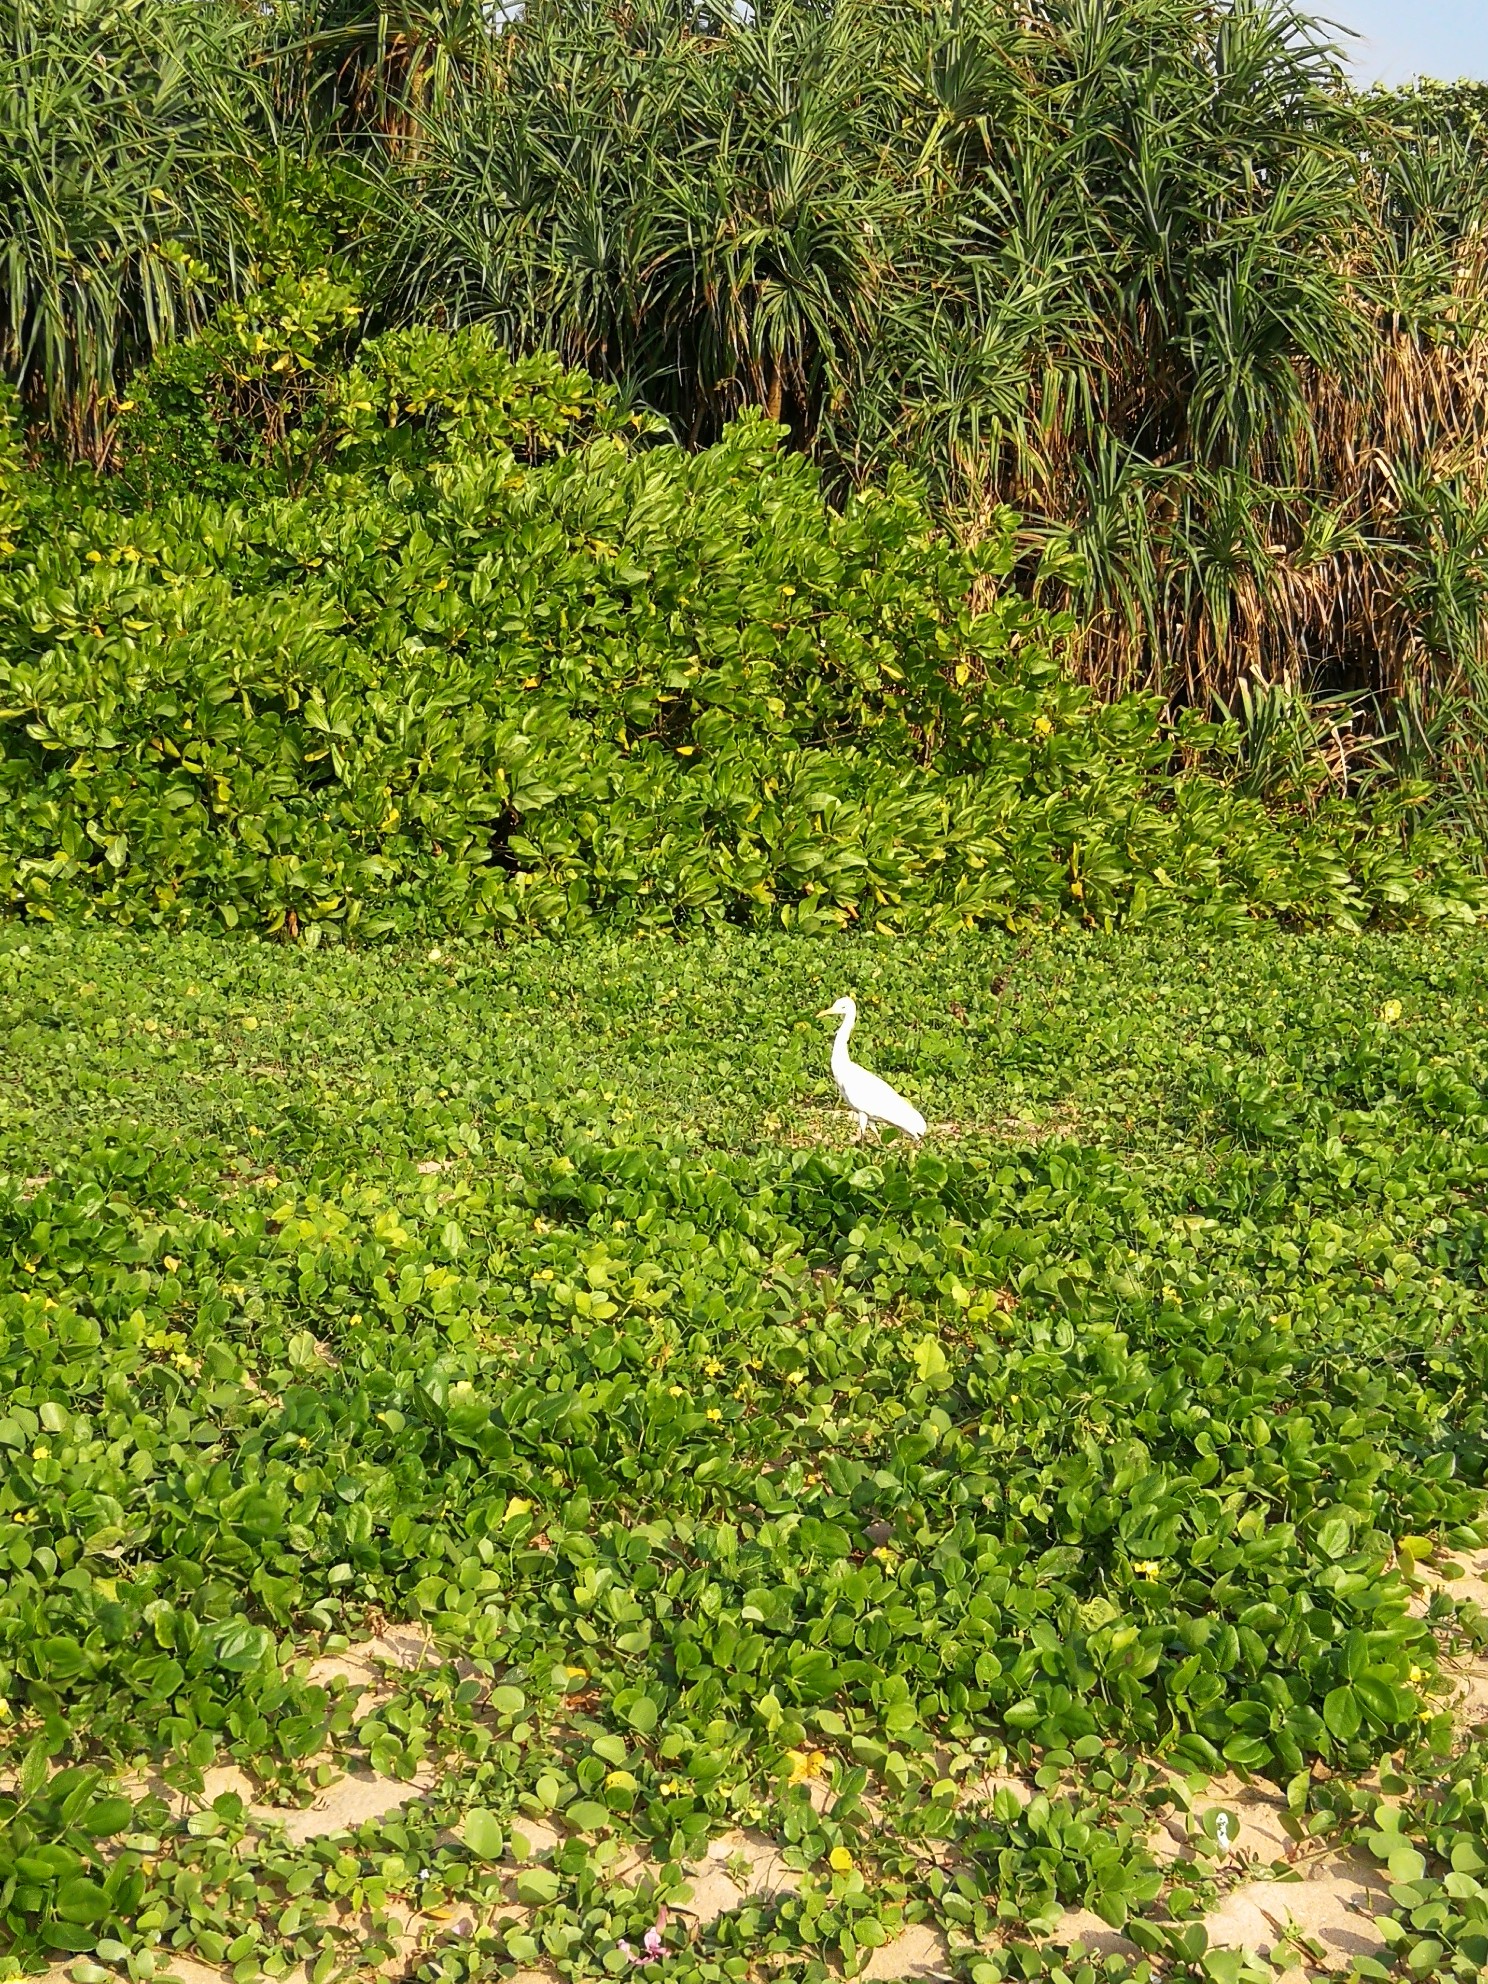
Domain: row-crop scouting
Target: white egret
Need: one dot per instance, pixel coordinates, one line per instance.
(870, 1099)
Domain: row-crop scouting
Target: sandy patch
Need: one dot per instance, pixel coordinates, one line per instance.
(1463, 1574)
(224, 1780)
(404, 1649)
(739, 1866)
(920, 1952)
(529, 1839)
(1470, 1697)
(1254, 1823)
(185, 1969)
(351, 1802)
(1083, 1925)
(1333, 1905)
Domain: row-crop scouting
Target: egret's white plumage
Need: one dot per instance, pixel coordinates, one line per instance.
(870, 1099)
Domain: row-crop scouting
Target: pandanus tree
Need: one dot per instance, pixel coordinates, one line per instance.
(1224, 310)
(704, 209)
(359, 69)
(125, 128)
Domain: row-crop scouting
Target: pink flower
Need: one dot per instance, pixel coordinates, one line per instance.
(652, 1947)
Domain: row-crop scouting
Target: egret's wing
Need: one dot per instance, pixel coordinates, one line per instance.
(875, 1098)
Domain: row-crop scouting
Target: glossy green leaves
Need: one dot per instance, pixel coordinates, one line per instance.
(740, 1476)
(500, 669)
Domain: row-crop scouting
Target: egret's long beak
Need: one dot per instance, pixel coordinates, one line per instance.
(826, 1013)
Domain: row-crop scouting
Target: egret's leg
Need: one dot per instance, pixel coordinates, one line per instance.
(862, 1124)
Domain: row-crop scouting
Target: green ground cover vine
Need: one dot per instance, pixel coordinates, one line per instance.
(755, 1480)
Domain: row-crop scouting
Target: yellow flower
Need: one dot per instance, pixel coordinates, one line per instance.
(170, 1262)
(4, 1710)
(250, 1024)
(38, 1453)
(805, 1764)
(712, 1368)
(840, 1860)
(1148, 1568)
(1390, 1011)
(713, 1413)
(1043, 726)
(1418, 1673)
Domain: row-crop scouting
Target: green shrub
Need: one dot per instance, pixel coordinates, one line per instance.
(264, 398)
(499, 667)
(216, 413)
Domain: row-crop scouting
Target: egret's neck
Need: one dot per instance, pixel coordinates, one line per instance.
(839, 1045)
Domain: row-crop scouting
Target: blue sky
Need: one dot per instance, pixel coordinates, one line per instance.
(1404, 38)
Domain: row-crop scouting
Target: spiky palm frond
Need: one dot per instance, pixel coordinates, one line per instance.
(121, 125)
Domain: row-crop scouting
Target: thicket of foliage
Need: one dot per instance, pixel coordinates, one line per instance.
(128, 131)
(448, 644)
(1144, 270)
(738, 1483)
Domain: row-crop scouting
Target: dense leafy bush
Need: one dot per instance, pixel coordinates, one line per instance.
(498, 667)
(1146, 270)
(219, 414)
(758, 1482)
